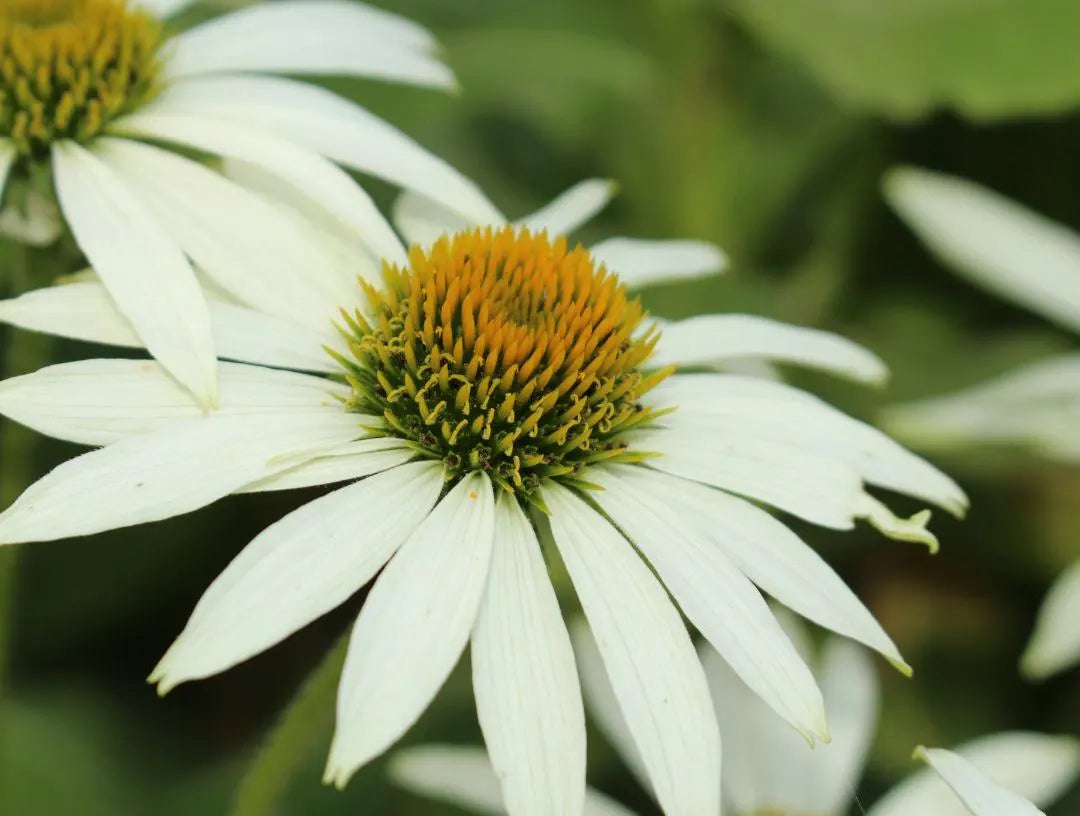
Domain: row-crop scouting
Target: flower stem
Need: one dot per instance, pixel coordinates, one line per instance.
(308, 718)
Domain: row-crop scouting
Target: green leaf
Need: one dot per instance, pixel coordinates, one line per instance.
(987, 59)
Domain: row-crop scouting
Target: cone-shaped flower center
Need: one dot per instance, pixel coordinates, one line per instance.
(503, 351)
(69, 66)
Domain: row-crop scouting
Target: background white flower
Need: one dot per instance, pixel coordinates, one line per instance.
(1035, 262)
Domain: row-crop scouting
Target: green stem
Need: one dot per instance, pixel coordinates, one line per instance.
(309, 717)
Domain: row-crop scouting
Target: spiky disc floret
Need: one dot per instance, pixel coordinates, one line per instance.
(69, 66)
(503, 351)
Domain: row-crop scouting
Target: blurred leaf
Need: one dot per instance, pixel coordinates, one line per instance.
(986, 58)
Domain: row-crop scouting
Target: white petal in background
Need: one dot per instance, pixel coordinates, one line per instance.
(640, 263)
(422, 221)
(572, 208)
(993, 241)
(1055, 643)
(650, 660)
(980, 796)
(413, 627)
(164, 8)
(1036, 767)
(298, 569)
(145, 272)
(311, 37)
(527, 693)
(7, 159)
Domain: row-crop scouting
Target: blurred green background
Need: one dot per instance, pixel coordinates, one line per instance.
(763, 126)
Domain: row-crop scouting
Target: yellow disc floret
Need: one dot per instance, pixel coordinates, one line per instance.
(69, 66)
(504, 351)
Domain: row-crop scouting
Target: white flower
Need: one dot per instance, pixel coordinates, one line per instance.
(111, 102)
(770, 769)
(499, 391)
(1035, 262)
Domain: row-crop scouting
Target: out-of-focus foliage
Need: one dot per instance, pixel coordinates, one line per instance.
(712, 134)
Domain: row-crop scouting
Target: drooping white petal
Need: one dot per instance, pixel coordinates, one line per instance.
(265, 257)
(413, 627)
(1037, 767)
(1055, 643)
(334, 127)
(363, 457)
(643, 263)
(980, 796)
(98, 402)
(7, 159)
(317, 181)
(527, 693)
(709, 340)
(311, 37)
(648, 654)
(572, 208)
(184, 466)
(993, 241)
(84, 311)
(422, 221)
(463, 776)
(34, 221)
(717, 598)
(145, 272)
(298, 569)
(774, 558)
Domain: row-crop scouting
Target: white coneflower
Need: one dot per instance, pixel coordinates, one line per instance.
(1035, 262)
(107, 103)
(770, 769)
(498, 390)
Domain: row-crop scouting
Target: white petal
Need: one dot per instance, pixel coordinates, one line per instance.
(774, 558)
(643, 263)
(717, 598)
(98, 402)
(527, 694)
(810, 485)
(648, 654)
(570, 209)
(1055, 643)
(364, 457)
(164, 8)
(265, 257)
(422, 221)
(311, 37)
(145, 272)
(993, 241)
(180, 468)
(34, 221)
(463, 776)
(334, 127)
(314, 179)
(413, 627)
(84, 311)
(7, 159)
(1038, 767)
(298, 569)
(709, 340)
(979, 795)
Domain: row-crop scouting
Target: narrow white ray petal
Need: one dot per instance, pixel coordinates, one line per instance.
(774, 558)
(298, 569)
(1037, 767)
(164, 8)
(807, 484)
(980, 796)
(145, 272)
(717, 598)
(572, 208)
(643, 263)
(314, 178)
(770, 410)
(7, 159)
(334, 127)
(265, 257)
(601, 704)
(650, 660)
(182, 467)
(527, 693)
(462, 776)
(413, 627)
(994, 242)
(1055, 643)
(708, 340)
(364, 457)
(422, 221)
(311, 37)
(84, 311)
(98, 402)
(34, 221)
